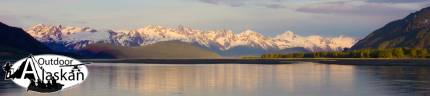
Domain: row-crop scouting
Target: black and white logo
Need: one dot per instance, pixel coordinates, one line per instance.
(46, 73)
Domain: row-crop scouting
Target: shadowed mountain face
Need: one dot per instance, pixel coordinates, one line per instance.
(164, 50)
(412, 31)
(249, 51)
(15, 41)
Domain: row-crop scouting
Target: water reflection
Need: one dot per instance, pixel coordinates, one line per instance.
(400, 80)
(304, 79)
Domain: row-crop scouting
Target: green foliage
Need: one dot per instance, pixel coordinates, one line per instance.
(250, 57)
(385, 54)
(364, 53)
(422, 53)
(398, 52)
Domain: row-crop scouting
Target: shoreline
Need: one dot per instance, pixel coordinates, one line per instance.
(340, 61)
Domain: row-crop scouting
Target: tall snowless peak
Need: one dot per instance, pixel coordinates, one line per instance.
(221, 40)
(413, 31)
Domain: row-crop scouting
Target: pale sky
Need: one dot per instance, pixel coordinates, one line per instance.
(354, 18)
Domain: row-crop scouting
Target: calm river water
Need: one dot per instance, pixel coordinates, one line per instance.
(300, 79)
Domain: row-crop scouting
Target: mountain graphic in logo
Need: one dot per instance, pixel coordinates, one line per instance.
(46, 73)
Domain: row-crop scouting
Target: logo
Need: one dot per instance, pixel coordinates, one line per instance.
(46, 73)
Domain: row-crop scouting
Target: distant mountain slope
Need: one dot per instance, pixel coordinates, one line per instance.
(167, 49)
(224, 42)
(412, 31)
(15, 41)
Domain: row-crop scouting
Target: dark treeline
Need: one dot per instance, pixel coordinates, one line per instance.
(364, 53)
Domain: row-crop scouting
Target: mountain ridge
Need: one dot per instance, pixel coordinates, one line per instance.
(161, 50)
(412, 31)
(215, 40)
(17, 38)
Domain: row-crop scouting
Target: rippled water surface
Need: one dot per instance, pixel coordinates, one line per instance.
(301, 79)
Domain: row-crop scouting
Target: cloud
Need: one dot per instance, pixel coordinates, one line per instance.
(233, 3)
(396, 1)
(353, 8)
(274, 4)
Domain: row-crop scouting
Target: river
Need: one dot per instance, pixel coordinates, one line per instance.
(298, 79)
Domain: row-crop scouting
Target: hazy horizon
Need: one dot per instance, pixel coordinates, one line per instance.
(354, 18)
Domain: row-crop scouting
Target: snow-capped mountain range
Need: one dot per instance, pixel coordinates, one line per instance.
(223, 40)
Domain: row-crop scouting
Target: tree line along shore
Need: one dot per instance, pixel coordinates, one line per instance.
(363, 53)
